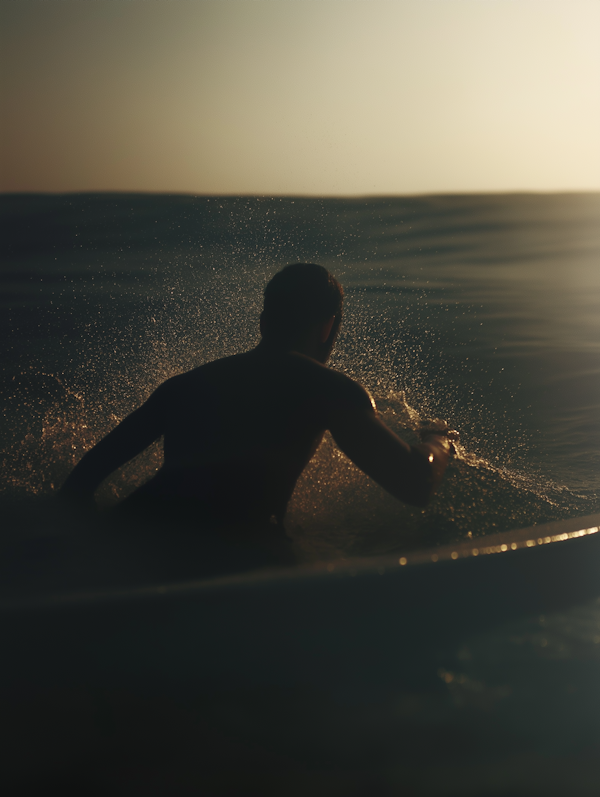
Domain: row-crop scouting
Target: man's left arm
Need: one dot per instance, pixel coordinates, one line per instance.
(129, 438)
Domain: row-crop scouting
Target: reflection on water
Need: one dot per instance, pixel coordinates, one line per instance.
(479, 309)
(538, 675)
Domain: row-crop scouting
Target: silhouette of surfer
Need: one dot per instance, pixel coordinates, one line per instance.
(239, 431)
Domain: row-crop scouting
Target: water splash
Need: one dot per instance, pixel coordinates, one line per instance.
(337, 511)
(58, 424)
(108, 322)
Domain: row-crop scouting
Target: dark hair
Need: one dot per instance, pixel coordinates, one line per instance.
(298, 296)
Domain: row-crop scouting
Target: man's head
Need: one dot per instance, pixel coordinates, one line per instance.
(303, 305)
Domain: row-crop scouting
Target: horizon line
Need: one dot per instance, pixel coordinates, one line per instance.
(230, 195)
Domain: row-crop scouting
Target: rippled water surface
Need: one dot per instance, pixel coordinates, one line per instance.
(483, 310)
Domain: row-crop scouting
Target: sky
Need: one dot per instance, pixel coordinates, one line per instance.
(300, 97)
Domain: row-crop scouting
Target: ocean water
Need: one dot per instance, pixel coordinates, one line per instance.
(483, 310)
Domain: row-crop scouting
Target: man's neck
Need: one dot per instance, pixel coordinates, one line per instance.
(271, 347)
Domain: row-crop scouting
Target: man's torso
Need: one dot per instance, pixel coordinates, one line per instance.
(239, 431)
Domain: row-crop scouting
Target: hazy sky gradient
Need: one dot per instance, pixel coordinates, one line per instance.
(300, 96)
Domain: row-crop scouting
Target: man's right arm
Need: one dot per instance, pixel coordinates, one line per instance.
(409, 473)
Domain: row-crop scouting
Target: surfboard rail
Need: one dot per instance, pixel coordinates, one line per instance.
(528, 538)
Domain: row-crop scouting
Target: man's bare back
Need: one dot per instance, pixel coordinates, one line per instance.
(239, 431)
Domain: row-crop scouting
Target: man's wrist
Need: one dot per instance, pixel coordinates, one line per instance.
(439, 437)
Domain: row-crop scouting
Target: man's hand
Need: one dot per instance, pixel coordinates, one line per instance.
(437, 428)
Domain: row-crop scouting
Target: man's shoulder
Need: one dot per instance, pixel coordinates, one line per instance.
(340, 390)
(205, 370)
(299, 373)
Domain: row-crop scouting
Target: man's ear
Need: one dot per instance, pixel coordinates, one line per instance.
(326, 329)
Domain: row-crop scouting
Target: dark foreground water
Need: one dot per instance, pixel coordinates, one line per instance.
(483, 310)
